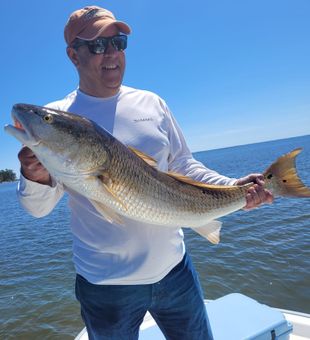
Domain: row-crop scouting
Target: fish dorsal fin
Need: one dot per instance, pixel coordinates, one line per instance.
(184, 179)
(147, 159)
(191, 181)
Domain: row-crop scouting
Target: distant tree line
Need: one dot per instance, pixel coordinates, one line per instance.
(7, 175)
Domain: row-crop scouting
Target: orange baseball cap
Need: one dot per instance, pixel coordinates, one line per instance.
(89, 22)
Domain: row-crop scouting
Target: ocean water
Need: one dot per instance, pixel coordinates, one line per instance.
(264, 253)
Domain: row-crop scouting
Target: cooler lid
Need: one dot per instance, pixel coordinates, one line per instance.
(236, 316)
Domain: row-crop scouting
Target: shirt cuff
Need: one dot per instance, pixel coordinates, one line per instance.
(27, 187)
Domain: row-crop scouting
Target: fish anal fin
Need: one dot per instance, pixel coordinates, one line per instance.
(110, 215)
(210, 231)
(147, 159)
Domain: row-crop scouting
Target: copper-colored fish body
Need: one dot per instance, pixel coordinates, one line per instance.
(123, 183)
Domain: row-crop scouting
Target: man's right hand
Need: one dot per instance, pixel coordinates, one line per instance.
(32, 169)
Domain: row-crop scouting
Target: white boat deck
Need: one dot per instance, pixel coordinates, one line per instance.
(301, 324)
(150, 331)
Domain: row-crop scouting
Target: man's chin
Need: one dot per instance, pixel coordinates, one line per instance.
(112, 84)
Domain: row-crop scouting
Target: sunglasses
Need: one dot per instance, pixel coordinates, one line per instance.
(100, 44)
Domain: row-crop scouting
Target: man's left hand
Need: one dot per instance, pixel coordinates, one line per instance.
(256, 195)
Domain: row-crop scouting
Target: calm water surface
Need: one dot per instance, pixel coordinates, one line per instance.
(263, 253)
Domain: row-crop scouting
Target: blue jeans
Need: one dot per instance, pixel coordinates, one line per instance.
(175, 302)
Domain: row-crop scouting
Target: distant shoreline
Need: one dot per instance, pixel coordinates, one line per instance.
(16, 180)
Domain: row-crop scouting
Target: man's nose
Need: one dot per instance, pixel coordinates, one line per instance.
(110, 50)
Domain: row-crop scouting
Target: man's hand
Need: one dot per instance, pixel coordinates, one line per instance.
(256, 195)
(32, 169)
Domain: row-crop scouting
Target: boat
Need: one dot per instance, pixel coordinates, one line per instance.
(243, 317)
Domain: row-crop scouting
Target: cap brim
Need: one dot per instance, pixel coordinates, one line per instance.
(99, 26)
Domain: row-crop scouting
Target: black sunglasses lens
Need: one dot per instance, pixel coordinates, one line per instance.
(119, 42)
(100, 45)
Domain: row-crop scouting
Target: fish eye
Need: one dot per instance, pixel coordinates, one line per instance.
(48, 118)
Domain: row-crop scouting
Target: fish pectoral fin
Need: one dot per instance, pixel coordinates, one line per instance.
(110, 215)
(147, 159)
(210, 231)
(106, 182)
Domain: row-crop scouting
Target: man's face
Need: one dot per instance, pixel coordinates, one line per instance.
(101, 75)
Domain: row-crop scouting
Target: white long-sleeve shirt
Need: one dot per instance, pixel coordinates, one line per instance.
(135, 253)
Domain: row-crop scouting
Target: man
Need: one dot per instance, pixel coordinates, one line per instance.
(123, 271)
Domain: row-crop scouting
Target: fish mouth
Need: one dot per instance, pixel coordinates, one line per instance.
(20, 130)
(18, 124)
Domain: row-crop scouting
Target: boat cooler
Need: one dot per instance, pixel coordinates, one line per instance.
(238, 317)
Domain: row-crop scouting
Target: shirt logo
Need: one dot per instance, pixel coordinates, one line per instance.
(143, 120)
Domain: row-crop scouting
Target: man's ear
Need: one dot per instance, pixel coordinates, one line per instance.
(72, 54)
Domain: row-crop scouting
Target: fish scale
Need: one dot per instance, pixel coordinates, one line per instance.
(162, 204)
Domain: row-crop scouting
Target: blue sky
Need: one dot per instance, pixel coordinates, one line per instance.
(232, 72)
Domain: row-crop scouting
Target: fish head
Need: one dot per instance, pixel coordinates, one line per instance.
(62, 141)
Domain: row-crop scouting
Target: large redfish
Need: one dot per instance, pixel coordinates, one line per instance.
(121, 181)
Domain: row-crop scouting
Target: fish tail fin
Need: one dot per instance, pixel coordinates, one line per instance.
(282, 178)
(210, 231)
